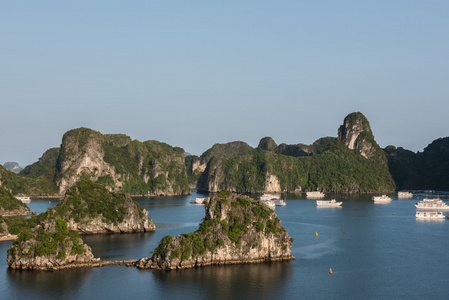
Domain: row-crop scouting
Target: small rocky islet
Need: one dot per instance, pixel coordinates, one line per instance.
(235, 230)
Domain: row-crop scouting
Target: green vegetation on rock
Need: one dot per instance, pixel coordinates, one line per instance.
(87, 200)
(330, 164)
(9, 203)
(113, 160)
(235, 221)
(84, 201)
(422, 170)
(336, 168)
(58, 241)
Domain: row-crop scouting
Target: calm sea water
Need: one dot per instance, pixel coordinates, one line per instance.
(376, 251)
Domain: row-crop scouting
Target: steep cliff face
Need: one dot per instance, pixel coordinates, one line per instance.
(356, 134)
(272, 184)
(244, 174)
(3, 229)
(353, 162)
(235, 230)
(89, 209)
(81, 153)
(49, 248)
(114, 160)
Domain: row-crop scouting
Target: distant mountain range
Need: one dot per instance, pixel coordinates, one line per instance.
(12, 166)
(115, 161)
(351, 162)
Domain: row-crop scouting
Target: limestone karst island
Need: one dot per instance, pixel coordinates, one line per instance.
(95, 176)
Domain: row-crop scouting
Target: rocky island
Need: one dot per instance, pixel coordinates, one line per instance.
(49, 246)
(351, 163)
(90, 208)
(235, 230)
(52, 241)
(113, 160)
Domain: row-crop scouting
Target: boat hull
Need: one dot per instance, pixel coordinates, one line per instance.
(325, 203)
(430, 216)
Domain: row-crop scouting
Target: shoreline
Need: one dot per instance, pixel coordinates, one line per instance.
(8, 237)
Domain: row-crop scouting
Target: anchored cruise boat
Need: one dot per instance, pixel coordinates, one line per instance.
(382, 199)
(433, 204)
(429, 215)
(199, 201)
(405, 195)
(266, 197)
(24, 199)
(315, 194)
(269, 200)
(328, 203)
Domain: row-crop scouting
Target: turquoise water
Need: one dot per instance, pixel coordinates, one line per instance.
(376, 251)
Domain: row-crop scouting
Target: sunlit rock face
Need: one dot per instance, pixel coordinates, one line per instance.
(121, 164)
(356, 134)
(235, 230)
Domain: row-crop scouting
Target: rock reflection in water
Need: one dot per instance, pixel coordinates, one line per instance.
(120, 246)
(228, 281)
(54, 285)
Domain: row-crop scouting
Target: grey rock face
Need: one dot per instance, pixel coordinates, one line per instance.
(235, 230)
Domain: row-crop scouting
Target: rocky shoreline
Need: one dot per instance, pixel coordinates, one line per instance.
(92, 264)
(147, 263)
(17, 213)
(8, 237)
(235, 230)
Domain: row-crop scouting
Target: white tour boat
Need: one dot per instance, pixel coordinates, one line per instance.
(266, 197)
(433, 204)
(199, 201)
(382, 199)
(315, 194)
(270, 200)
(429, 215)
(24, 199)
(328, 203)
(405, 195)
(280, 202)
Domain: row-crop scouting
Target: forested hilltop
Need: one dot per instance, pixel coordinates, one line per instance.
(114, 160)
(351, 162)
(422, 170)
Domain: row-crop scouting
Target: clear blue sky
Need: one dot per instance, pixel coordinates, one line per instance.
(196, 73)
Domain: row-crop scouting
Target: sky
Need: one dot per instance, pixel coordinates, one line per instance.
(196, 73)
